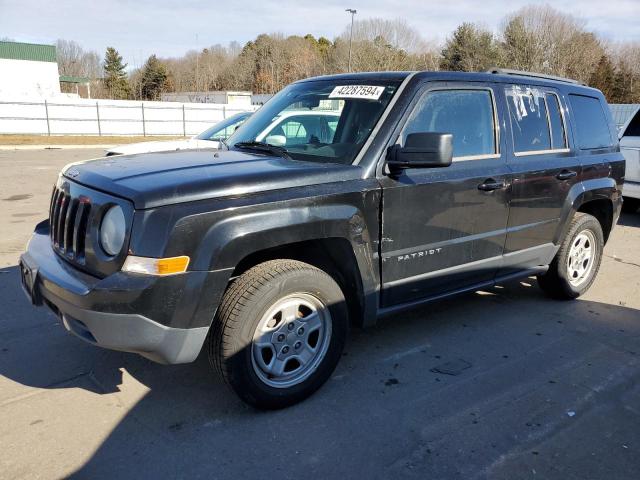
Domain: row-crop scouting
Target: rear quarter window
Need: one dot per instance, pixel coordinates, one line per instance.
(591, 123)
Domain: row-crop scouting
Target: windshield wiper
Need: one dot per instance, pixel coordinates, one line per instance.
(264, 147)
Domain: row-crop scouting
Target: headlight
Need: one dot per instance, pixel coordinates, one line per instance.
(113, 230)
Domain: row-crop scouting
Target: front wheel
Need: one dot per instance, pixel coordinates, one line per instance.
(575, 266)
(279, 333)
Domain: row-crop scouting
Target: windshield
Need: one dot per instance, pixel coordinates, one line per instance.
(323, 121)
(222, 130)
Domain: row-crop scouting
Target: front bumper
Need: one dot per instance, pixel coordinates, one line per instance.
(165, 319)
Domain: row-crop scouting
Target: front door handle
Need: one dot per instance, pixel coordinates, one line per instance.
(566, 174)
(490, 184)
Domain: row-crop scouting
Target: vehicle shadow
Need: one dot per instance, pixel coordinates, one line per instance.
(630, 219)
(375, 418)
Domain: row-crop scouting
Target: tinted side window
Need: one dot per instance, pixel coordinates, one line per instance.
(633, 129)
(467, 114)
(591, 123)
(529, 124)
(558, 137)
(226, 132)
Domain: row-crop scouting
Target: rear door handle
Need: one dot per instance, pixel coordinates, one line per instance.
(566, 174)
(490, 184)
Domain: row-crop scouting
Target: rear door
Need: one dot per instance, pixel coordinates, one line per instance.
(544, 170)
(443, 229)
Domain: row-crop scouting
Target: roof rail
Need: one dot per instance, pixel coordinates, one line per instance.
(506, 71)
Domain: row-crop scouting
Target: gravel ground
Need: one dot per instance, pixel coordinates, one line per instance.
(540, 388)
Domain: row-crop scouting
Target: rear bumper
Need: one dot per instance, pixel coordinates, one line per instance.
(165, 319)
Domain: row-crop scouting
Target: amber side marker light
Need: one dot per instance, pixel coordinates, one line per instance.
(156, 266)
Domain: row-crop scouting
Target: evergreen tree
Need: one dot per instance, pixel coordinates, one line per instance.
(154, 78)
(519, 47)
(603, 78)
(622, 91)
(470, 49)
(115, 76)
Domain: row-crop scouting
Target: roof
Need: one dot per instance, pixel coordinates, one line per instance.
(522, 73)
(72, 79)
(622, 113)
(28, 51)
(443, 75)
(389, 76)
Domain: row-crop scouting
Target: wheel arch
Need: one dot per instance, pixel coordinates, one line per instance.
(597, 197)
(335, 238)
(333, 255)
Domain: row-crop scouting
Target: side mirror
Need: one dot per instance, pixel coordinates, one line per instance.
(421, 150)
(277, 140)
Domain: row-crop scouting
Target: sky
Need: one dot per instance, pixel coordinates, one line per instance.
(139, 28)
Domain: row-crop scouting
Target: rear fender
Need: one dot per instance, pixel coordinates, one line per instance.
(584, 192)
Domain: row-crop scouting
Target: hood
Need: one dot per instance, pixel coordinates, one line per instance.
(157, 179)
(161, 146)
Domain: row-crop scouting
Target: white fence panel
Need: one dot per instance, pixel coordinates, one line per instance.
(110, 117)
(23, 117)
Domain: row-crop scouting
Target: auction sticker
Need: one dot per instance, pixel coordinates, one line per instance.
(367, 92)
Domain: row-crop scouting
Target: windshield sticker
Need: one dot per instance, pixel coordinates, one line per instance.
(366, 92)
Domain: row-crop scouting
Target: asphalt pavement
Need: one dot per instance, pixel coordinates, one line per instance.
(499, 384)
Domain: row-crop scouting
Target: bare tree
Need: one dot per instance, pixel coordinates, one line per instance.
(381, 44)
(397, 33)
(535, 38)
(73, 60)
(542, 39)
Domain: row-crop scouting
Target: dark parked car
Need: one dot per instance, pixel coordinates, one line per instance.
(424, 185)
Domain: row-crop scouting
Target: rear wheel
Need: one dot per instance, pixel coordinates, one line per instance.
(575, 266)
(279, 333)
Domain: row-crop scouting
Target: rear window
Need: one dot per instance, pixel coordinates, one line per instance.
(591, 122)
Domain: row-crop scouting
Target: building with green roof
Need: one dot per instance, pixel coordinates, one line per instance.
(29, 70)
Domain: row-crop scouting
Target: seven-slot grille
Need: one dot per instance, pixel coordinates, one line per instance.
(68, 218)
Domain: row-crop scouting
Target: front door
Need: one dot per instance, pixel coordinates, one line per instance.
(443, 229)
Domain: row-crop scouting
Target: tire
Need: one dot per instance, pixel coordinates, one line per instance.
(630, 205)
(565, 281)
(266, 362)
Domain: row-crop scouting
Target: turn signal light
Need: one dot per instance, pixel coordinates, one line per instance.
(156, 266)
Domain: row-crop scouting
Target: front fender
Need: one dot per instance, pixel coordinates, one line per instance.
(217, 234)
(232, 239)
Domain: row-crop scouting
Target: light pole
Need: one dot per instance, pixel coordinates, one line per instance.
(352, 12)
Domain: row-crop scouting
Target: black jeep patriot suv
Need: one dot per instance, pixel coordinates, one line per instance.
(343, 199)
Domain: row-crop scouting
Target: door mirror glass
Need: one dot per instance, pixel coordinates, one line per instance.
(421, 150)
(277, 140)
